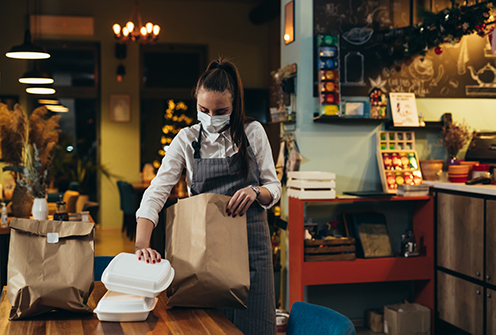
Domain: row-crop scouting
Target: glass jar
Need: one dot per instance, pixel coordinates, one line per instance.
(61, 212)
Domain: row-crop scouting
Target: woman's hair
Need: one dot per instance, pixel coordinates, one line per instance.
(222, 75)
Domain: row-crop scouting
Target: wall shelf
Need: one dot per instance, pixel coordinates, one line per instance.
(347, 120)
(429, 125)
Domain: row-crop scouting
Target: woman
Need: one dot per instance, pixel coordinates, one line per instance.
(225, 153)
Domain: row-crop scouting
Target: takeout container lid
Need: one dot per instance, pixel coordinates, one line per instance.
(121, 307)
(126, 274)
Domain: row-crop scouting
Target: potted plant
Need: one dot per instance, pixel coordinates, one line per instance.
(454, 137)
(26, 145)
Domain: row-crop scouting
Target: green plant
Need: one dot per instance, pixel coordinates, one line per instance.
(74, 167)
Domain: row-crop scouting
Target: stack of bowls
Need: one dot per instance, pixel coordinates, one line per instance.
(458, 173)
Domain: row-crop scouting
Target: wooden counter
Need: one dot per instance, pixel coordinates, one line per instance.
(162, 320)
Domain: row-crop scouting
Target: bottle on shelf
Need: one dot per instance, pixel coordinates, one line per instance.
(4, 216)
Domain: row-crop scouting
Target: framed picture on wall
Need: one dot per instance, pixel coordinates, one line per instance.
(120, 108)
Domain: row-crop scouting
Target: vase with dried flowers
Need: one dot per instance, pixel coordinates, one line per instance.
(26, 144)
(454, 137)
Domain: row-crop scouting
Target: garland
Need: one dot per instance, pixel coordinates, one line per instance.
(448, 26)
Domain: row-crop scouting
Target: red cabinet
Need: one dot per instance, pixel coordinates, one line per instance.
(419, 269)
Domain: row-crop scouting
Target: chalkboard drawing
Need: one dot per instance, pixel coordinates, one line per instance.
(404, 109)
(358, 35)
(486, 80)
(488, 51)
(463, 58)
(422, 70)
(354, 69)
(379, 83)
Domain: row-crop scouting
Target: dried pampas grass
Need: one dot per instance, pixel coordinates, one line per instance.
(37, 130)
(43, 132)
(13, 126)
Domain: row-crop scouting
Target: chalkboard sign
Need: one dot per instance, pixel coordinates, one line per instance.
(371, 54)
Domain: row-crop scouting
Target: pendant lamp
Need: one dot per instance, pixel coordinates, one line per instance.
(35, 77)
(27, 50)
(40, 90)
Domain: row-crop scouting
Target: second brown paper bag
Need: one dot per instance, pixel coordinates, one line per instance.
(209, 252)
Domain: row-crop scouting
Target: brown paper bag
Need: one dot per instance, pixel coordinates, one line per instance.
(50, 266)
(209, 252)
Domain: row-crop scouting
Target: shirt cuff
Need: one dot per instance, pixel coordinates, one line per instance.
(275, 192)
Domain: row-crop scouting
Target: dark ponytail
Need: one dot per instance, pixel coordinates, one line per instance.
(222, 75)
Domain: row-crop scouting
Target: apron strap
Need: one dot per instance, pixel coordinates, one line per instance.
(197, 144)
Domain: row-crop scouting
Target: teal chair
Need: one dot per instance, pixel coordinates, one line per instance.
(309, 319)
(101, 263)
(128, 207)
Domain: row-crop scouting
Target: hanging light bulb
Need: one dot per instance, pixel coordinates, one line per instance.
(117, 29)
(130, 26)
(149, 27)
(156, 30)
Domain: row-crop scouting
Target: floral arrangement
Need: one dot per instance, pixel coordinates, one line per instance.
(455, 136)
(26, 144)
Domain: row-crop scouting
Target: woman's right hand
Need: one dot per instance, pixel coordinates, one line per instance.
(148, 254)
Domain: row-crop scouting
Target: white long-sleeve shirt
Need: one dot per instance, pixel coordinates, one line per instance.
(213, 145)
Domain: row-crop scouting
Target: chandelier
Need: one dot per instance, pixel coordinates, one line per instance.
(144, 34)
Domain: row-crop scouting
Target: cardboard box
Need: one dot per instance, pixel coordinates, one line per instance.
(374, 320)
(407, 319)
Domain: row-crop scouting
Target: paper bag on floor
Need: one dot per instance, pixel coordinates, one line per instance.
(50, 266)
(209, 252)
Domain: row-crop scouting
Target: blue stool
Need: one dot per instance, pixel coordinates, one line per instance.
(309, 319)
(101, 263)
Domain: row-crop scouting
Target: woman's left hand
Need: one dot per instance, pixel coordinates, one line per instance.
(241, 201)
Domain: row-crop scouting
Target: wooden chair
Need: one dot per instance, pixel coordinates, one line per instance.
(128, 207)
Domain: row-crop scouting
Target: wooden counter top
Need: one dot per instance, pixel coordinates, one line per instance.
(462, 187)
(162, 320)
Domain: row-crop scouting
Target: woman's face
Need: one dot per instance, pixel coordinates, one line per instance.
(214, 103)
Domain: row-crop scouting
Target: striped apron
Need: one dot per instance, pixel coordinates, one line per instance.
(216, 175)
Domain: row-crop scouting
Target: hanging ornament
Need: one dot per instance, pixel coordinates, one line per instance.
(438, 50)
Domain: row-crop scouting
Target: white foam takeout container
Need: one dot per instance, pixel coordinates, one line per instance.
(122, 307)
(126, 274)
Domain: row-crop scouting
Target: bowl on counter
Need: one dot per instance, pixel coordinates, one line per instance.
(458, 173)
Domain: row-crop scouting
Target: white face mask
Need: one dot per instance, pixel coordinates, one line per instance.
(213, 124)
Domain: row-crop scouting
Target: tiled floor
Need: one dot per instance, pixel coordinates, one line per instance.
(110, 242)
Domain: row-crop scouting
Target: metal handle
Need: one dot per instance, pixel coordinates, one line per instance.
(477, 274)
(489, 295)
(488, 277)
(478, 292)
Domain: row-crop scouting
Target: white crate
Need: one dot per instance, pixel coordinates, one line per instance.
(311, 175)
(311, 185)
(299, 194)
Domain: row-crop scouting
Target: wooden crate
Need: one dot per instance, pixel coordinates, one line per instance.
(336, 249)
